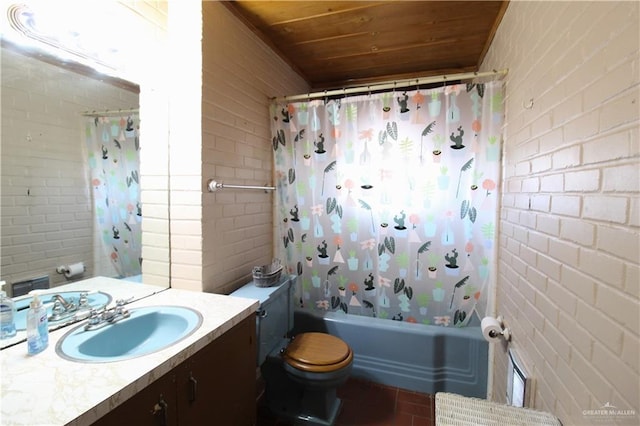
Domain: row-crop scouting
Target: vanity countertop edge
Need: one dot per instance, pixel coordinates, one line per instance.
(46, 389)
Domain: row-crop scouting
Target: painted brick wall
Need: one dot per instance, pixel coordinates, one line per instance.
(218, 237)
(46, 204)
(148, 67)
(568, 283)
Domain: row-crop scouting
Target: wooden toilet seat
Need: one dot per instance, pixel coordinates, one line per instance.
(318, 353)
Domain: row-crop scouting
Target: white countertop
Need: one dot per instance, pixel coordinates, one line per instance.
(46, 389)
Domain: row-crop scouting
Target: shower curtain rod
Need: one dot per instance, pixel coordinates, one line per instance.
(393, 84)
(110, 112)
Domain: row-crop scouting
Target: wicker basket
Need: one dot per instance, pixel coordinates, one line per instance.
(267, 275)
(457, 410)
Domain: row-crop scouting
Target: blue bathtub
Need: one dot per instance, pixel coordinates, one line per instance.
(415, 357)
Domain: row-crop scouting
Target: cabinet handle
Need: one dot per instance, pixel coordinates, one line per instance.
(193, 386)
(261, 313)
(160, 411)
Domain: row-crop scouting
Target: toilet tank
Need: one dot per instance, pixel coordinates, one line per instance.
(274, 317)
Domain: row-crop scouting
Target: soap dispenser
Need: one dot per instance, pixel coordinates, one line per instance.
(7, 315)
(37, 325)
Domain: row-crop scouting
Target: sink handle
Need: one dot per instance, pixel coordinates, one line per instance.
(160, 411)
(122, 302)
(193, 387)
(94, 317)
(83, 301)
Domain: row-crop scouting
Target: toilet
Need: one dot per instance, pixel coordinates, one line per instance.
(301, 373)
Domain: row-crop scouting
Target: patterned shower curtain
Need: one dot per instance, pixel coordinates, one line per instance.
(114, 164)
(386, 203)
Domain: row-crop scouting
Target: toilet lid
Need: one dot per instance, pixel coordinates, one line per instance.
(319, 349)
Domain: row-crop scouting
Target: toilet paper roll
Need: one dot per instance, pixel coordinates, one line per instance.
(491, 328)
(74, 269)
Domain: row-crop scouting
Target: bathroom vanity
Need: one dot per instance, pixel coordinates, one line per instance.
(206, 378)
(210, 387)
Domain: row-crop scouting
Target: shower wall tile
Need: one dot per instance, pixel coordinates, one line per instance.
(572, 121)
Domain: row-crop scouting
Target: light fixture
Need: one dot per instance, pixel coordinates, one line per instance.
(68, 30)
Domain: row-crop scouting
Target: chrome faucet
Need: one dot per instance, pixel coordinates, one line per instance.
(67, 308)
(104, 317)
(66, 305)
(62, 308)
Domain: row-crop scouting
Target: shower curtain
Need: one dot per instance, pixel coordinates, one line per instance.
(112, 146)
(386, 204)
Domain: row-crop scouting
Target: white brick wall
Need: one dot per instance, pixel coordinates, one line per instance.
(148, 66)
(218, 237)
(569, 242)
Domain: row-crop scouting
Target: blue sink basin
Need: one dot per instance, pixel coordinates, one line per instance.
(147, 330)
(96, 300)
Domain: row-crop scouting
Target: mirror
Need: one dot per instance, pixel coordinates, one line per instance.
(53, 215)
(53, 218)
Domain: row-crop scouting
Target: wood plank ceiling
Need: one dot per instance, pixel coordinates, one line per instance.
(336, 44)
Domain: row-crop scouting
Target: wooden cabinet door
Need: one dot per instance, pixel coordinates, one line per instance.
(155, 405)
(217, 385)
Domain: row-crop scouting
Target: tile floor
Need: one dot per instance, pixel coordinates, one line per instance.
(370, 404)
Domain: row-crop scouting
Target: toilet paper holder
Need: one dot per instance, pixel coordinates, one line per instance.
(506, 332)
(72, 269)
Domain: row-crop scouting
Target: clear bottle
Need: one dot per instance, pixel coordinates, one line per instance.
(7, 315)
(37, 326)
